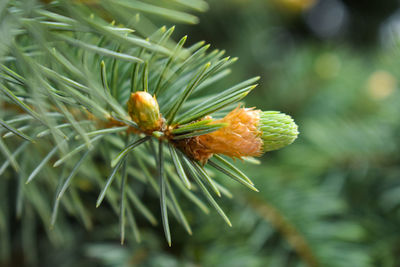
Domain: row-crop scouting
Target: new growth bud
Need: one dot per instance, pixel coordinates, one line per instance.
(278, 130)
(144, 110)
(249, 132)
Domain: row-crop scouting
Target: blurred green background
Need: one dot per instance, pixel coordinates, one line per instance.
(330, 199)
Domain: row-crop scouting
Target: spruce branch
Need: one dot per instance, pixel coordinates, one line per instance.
(76, 85)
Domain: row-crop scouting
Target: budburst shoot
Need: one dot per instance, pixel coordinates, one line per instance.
(248, 132)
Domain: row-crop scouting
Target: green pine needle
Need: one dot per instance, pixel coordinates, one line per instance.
(178, 167)
(72, 174)
(207, 194)
(15, 131)
(203, 174)
(41, 164)
(99, 50)
(109, 181)
(232, 175)
(129, 148)
(232, 168)
(212, 104)
(163, 199)
(186, 93)
(122, 216)
(206, 130)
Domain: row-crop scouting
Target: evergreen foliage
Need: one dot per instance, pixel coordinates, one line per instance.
(67, 76)
(67, 69)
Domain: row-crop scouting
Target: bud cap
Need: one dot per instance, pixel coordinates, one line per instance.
(277, 130)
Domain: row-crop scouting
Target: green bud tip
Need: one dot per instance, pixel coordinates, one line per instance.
(278, 130)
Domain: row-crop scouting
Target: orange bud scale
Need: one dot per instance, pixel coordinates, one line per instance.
(240, 138)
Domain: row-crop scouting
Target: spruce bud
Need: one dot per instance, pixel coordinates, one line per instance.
(144, 110)
(248, 132)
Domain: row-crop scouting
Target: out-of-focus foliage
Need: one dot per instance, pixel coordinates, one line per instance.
(332, 198)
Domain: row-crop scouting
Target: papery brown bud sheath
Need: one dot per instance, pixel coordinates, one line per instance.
(249, 132)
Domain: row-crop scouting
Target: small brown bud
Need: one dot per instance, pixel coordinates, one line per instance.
(144, 110)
